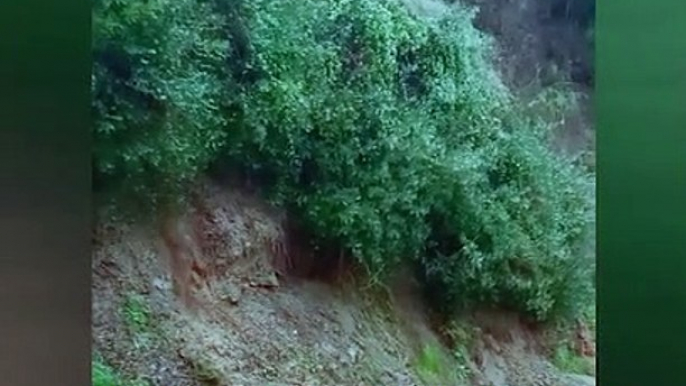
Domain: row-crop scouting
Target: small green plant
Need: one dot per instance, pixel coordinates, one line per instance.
(433, 366)
(429, 362)
(460, 336)
(137, 313)
(567, 360)
(462, 370)
(104, 375)
(205, 372)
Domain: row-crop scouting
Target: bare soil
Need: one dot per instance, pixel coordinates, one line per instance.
(240, 323)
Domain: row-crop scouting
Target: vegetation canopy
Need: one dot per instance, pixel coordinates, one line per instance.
(387, 132)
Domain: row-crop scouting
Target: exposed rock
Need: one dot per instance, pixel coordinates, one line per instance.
(161, 284)
(353, 353)
(230, 292)
(268, 280)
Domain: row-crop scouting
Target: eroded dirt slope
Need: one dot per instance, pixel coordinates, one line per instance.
(216, 311)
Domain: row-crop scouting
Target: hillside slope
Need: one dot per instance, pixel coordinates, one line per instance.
(237, 322)
(226, 293)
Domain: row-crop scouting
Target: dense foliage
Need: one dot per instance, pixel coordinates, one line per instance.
(157, 93)
(386, 133)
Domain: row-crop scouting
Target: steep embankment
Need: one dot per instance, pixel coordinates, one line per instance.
(208, 299)
(230, 319)
(215, 311)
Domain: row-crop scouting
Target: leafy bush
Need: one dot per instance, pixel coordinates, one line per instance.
(568, 361)
(385, 132)
(393, 134)
(137, 313)
(104, 375)
(359, 106)
(429, 360)
(158, 88)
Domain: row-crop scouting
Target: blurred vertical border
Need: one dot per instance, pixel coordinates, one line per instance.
(45, 210)
(641, 155)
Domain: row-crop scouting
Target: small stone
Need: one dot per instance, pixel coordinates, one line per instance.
(268, 281)
(353, 352)
(160, 284)
(271, 280)
(231, 293)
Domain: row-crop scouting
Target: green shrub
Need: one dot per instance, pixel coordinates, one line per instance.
(158, 91)
(104, 375)
(568, 361)
(359, 107)
(137, 313)
(429, 361)
(393, 135)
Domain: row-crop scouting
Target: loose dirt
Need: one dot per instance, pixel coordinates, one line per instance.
(238, 322)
